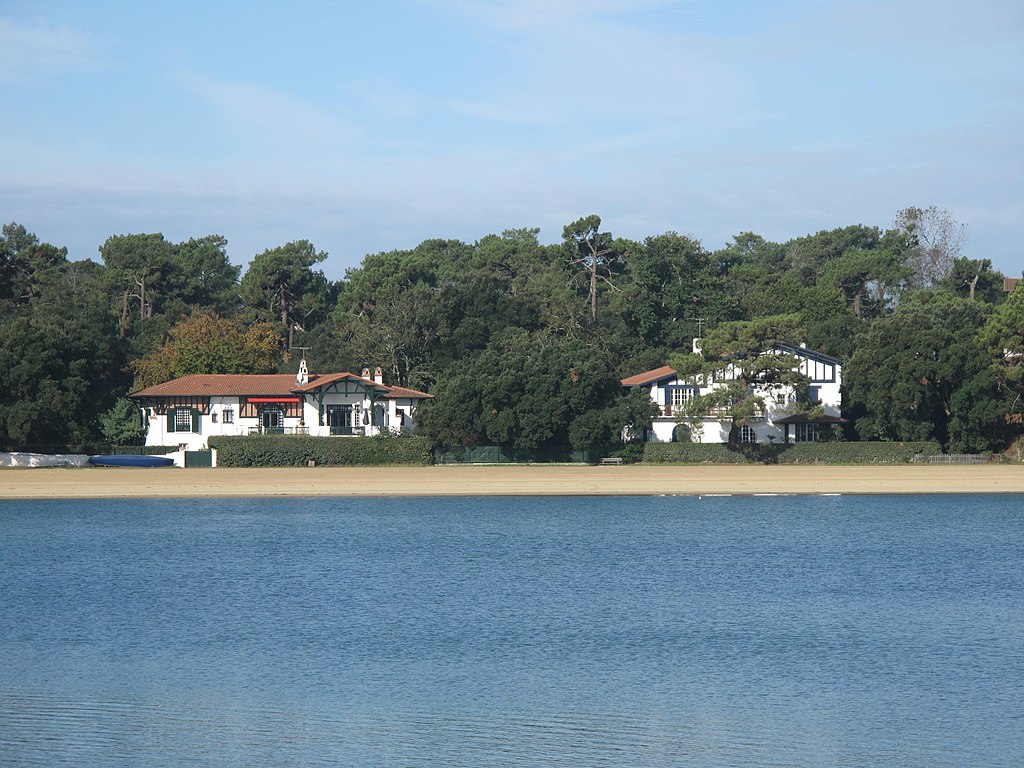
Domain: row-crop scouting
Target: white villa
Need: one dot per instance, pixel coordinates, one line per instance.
(188, 410)
(780, 421)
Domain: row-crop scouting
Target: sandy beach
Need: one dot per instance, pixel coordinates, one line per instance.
(559, 480)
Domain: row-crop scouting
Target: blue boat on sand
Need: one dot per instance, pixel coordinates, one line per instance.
(130, 460)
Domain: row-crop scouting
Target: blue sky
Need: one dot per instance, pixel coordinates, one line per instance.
(372, 126)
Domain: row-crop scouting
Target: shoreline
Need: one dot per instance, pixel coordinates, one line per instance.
(508, 480)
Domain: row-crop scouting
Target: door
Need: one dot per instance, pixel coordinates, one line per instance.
(339, 419)
(272, 421)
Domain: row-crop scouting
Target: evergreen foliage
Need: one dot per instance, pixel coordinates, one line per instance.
(523, 344)
(802, 453)
(299, 451)
(122, 424)
(1002, 337)
(922, 374)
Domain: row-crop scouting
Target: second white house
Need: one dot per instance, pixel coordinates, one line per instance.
(780, 420)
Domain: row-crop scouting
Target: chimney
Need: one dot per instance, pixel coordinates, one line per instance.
(366, 373)
(696, 346)
(378, 375)
(302, 377)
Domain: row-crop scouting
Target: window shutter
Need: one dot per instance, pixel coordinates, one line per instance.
(170, 419)
(197, 421)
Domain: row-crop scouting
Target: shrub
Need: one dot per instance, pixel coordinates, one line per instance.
(800, 453)
(102, 449)
(630, 453)
(503, 454)
(299, 450)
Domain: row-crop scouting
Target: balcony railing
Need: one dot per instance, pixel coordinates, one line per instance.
(261, 430)
(717, 412)
(347, 431)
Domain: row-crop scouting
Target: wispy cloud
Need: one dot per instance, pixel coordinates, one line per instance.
(377, 128)
(275, 124)
(583, 64)
(258, 105)
(40, 51)
(527, 14)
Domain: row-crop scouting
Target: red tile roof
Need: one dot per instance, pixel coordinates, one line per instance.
(330, 378)
(402, 392)
(207, 384)
(648, 377)
(262, 385)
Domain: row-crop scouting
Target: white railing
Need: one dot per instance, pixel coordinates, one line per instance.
(261, 430)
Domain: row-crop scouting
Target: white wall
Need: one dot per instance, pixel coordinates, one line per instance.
(826, 378)
(310, 420)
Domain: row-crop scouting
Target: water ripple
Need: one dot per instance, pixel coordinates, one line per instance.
(777, 631)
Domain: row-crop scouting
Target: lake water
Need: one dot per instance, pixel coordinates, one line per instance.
(673, 631)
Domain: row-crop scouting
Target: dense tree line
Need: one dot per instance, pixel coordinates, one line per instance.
(521, 343)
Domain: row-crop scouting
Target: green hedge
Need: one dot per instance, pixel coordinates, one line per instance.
(801, 453)
(100, 449)
(299, 450)
(143, 450)
(500, 454)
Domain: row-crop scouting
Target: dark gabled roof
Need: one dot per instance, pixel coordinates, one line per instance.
(793, 349)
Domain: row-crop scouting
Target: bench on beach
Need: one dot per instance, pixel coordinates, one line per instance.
(611, 460)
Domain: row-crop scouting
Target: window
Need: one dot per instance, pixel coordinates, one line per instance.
(805, 433)
(228, 415)
(784, 397)
(747, 434)
(681, 395)
(183, 420)
(272, 420)
(213, 417)
(676, 397)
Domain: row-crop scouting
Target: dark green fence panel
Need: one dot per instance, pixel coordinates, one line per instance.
(201, 459)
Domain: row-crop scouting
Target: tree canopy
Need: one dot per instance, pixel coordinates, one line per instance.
(526, 390)
(282, 285)
(921, 374)
(523, 343)
(207, 343)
